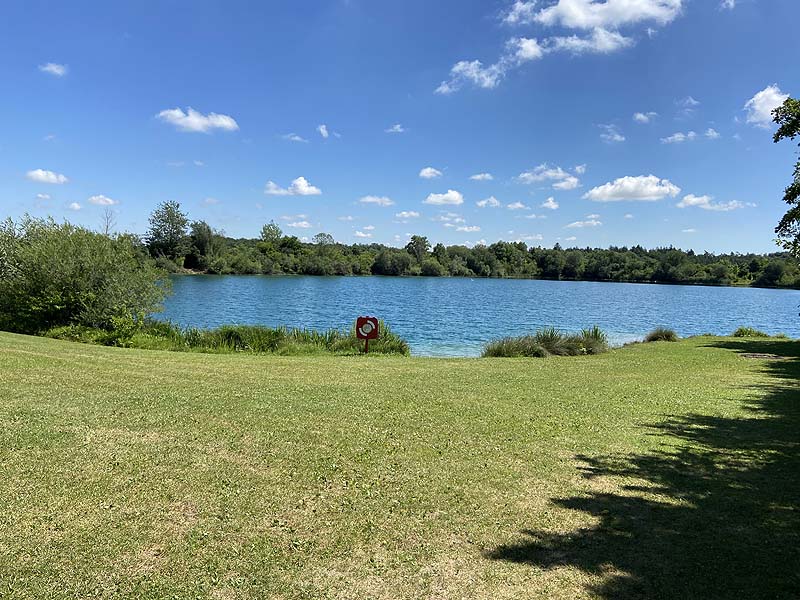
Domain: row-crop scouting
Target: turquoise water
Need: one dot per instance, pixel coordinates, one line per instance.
(455, 317)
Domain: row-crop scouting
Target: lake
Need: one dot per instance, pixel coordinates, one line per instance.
(456, 316)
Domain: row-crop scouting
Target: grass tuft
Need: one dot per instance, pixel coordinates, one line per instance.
(749, 332)
(548, 341)
(661, 334)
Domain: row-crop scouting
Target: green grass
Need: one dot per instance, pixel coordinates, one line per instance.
(661, 334)
(749, 332)
(653, 471)
(548, 341)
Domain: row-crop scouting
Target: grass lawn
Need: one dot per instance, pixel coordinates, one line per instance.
(666, 470)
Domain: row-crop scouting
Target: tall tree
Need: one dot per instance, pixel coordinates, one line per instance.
(167, 235)
(418, 246)
(271, 233)
(787, 116)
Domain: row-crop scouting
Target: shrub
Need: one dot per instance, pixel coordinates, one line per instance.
(749, 332)
(54, 275)
(549, 341)
(661, 334)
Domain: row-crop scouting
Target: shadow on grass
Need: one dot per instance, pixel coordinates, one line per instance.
(715, 517)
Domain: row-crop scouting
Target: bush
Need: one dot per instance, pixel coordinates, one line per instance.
(749, 332)
(54, 275)
(549, 341)
(661, 334)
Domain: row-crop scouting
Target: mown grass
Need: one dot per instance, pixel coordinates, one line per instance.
(653, 471)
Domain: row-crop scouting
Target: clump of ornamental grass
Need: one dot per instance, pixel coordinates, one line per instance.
(548, 341)
(749, 332)
(661, 334)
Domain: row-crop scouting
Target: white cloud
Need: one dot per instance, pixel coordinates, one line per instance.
(407, 214)
(589, 14)
(549, 203)
(688, 102)
(534, 216)
(759, 108)
(705, 202)
(430, 173)
(293, 217)
(298, 187)
(592, 216)
(54, 69)
(300, 225)
(601, 41)
(468, 228)
(377, 200)
(323, 130)
(628, 216)
(481, 177)
(644, 118)
(74, 206)
(49, 137)
(679, 138)
(582, 224)
(369, 228)
(490, 202)
(43, 196)
(563, 180)
(645, 187)
(346, 218)
(449, 197)
(209, 201)
(580, 169)
(43, 176)
(101, 200)
(690, 230)
(571, 238)
(537, 237)
(199, 163)
(361, 234)
(293, 137)
(396, 128)
(728, 4)
(194, 121)
(517, 206)
(712, 133)
(611, 135)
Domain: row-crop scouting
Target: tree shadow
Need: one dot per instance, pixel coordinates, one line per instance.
(716, 515)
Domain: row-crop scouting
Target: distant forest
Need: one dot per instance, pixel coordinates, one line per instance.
(179, 245)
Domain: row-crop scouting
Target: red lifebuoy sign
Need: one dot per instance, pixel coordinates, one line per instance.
(367, 328)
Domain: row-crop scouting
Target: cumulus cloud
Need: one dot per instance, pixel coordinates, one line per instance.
(550, 203)
(449, 197)
(627, 216)
(194, 121)
(377, 200)
(101, 200)
(43, 196)
(582, 224)
(712, 133)
(580, 169)
(679, 138)
(293, 137)
(561, 179)
(54, 69)
(323, 130)
(589, 14)
(396, 128)
(490, 202)
(346, 218)
(759, 108)
(468, 228)
(209, 201)
(407, 214)
(430, 173)
(728, 4)
(481, 177)
(690, 230)
(611, 134)
(300, 225)
(705, 202)
(74, 206)
(601, 41)
(298, 187)
(361, 234)
(648, 188)
(517, 206)
(44, 176)
(644, 117)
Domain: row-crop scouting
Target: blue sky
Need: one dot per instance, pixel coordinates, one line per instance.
(599, 122)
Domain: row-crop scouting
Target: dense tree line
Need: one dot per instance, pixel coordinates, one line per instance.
(178, 244)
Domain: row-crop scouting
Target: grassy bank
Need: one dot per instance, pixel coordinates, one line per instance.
(664, 470)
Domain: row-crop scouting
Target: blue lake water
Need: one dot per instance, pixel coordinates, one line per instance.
(455, 317)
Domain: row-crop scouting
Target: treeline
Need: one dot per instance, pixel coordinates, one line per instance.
(178, 244)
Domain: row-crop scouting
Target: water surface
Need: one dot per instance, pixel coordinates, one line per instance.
(456, 316)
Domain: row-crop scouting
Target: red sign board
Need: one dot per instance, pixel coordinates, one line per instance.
(367, 328)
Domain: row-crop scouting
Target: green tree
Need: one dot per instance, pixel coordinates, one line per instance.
(271, 233)
(787, 116)
(323, 239)
(167, 235)
(418, 247)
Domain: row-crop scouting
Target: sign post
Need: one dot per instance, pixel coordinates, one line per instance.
(367, 329)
